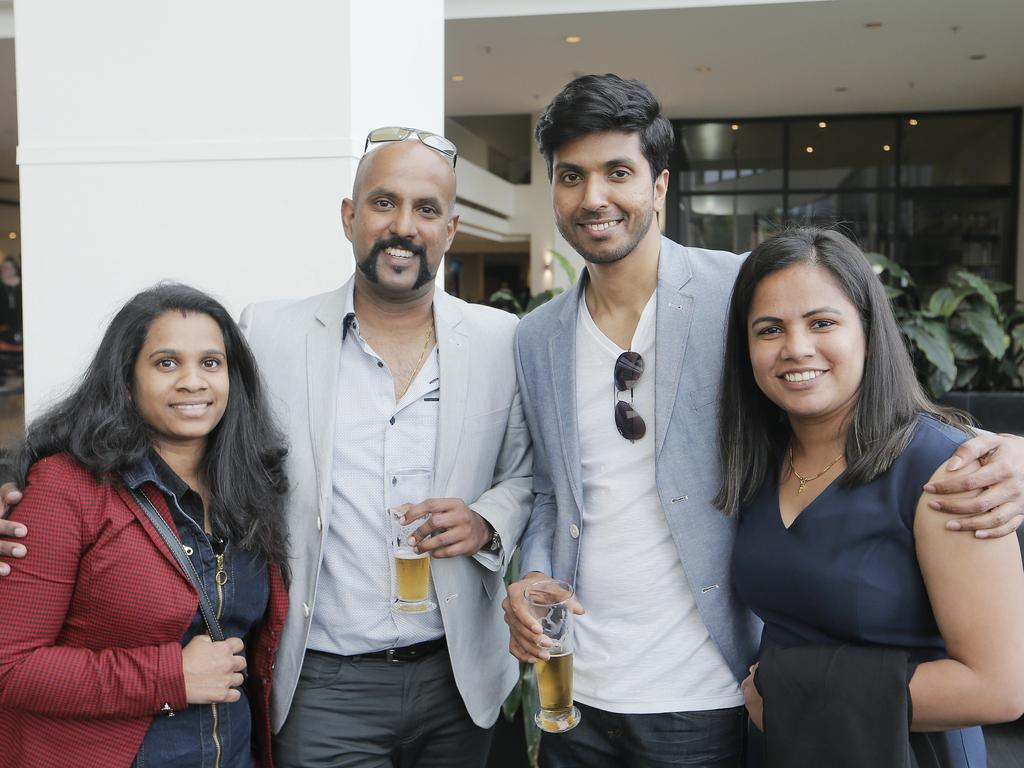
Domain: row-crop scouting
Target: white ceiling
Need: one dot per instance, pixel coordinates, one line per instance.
(764, 59)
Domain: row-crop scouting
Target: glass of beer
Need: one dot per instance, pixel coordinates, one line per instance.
(411, 568)
(549, 602)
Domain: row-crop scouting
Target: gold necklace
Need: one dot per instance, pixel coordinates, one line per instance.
(805, 480)
(423, 356)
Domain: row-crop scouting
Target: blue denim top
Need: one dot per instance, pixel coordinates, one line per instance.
(187, 739)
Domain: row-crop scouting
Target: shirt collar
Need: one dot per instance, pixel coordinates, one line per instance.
(153, 469)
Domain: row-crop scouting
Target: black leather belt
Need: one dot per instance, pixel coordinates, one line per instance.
(413, 652)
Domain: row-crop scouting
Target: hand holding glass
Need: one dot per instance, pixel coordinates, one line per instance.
(549, 603)
(412, 568)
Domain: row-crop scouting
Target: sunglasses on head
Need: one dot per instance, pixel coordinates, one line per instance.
(628, 368)
(396, 133)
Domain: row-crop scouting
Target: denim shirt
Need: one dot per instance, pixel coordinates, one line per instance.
(187, 740)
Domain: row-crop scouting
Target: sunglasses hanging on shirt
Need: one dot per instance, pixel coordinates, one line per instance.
(628, 368)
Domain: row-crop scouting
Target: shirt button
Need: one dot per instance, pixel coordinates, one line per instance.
(574, 531)
(380, 364)
(392, 420)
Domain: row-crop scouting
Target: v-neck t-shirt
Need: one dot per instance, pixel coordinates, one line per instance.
(642, 646)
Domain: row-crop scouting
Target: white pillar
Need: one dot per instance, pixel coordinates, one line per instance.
(209, 143)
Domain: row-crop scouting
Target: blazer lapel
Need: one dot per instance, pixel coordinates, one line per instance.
(323, 351)
(562, 347)
(675, 313)
(453, 353)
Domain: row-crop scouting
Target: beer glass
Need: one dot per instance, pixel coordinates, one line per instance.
(411, 569)
(549, 602)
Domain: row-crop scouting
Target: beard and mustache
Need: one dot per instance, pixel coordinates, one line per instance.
(369, 265)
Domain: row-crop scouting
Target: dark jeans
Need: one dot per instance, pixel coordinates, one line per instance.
(372, 713)
(711, 739)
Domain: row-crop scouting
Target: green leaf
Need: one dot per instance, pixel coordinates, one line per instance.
(938, 382)
(983, 287)
(511, 705)
(945, 301)
(964, 375)
(566, 265)
(987, 328)
(892, 292)
(933, 341)
(506, 297)
(1018, 335)
(531, 703)
(890, 266)
(965, 347)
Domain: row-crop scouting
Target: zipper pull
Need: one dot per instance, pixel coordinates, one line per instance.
(222, 575)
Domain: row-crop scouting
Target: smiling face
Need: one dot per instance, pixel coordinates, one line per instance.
(604, 197)
(400, 219)
(807, 344)
(180, 382)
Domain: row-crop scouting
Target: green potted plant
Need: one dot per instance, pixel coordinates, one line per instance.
(968, 346)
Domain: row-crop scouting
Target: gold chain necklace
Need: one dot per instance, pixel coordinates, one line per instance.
(423, 356)
(805, 480)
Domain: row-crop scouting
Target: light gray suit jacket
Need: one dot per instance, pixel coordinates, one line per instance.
(694, 287)
(483, 457)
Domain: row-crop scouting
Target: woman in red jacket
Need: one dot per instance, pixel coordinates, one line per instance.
(106, 657)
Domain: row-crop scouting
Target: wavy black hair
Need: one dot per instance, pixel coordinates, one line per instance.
(753, 432)
(99, 426)
(597, 103)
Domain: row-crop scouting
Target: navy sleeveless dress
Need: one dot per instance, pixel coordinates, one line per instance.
(846, 570)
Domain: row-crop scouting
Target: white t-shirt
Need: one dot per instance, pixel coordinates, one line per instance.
(642, 646)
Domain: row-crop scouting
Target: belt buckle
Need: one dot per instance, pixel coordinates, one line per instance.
(389, 656)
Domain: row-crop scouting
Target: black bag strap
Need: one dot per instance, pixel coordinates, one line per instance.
(174, 545)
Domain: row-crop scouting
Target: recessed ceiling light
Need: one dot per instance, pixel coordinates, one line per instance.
(977, 56)
(809, 150)
(822, 124)
(703, 69)
(458, 78)
(886, 148)
(912, 121)
(735, 126)
(12, 235)
(873, 25)
(841, 89)
(573, 39)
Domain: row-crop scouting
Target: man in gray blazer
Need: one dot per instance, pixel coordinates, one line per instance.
(625, 474)
(363, 391)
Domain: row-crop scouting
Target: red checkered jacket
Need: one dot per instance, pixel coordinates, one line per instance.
(91, 622)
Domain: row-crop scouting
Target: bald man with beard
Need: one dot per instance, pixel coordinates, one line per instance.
(389, 372)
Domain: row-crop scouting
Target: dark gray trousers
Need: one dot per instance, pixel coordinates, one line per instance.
(372, 713)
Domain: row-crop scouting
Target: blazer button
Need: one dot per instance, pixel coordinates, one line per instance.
(319, 523)
(574, 531)
(305, 610)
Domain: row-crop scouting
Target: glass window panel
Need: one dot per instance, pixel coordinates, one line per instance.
(716, 158)
(957, 150)
(866, 216)
(846, 153)
(734, 223)
(944, 234)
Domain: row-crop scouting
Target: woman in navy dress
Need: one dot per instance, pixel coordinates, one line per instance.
(827, 442)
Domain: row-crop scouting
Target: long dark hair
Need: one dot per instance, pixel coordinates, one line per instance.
(598, 103)
(754, 432)
(100, 427)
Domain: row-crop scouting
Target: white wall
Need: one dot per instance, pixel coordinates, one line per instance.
(205, 142)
